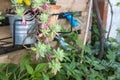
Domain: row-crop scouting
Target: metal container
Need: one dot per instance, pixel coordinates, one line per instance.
(20, 32)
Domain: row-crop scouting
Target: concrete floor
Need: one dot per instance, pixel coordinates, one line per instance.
(12, 57)
(5, 31)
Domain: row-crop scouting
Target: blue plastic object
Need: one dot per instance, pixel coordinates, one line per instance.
(71, 20)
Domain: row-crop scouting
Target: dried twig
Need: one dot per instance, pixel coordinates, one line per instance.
(110, 26)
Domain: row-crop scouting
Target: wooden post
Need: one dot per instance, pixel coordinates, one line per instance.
(103, 5)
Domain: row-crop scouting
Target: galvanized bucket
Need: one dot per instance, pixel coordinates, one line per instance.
(21, 33)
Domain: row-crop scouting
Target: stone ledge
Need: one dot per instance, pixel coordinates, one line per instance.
(12, 57)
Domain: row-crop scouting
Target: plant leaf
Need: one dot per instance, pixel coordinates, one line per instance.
(40, 67)
(29, 69)
(3, 76)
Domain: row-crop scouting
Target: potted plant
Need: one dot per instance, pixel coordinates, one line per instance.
(46, 32)
(27, 15)
(51, 58)
(21, 23)
(77, 62)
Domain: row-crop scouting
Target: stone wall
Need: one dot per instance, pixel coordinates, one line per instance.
(4, 4)
(73, 6)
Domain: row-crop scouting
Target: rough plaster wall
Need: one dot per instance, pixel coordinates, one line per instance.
(78, 6)
(4, 4)
(75, 5)
(116, 19)
(72, 5)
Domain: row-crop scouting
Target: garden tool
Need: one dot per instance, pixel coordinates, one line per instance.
(63, 44)
(71, 20)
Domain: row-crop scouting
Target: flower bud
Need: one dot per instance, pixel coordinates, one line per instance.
(20, 1)
(27, 2)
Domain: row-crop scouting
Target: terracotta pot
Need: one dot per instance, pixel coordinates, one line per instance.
(54, 18)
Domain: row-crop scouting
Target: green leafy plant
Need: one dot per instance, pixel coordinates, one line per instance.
(67, 64)
(71, 60)
(1, 17)
(52, 1)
